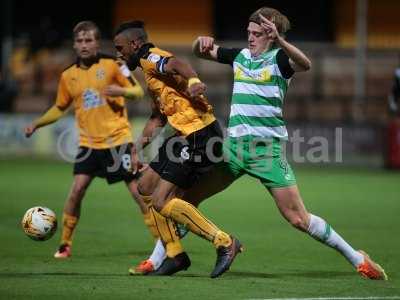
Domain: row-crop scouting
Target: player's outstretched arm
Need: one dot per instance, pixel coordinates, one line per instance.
(63, 101)
(127, 85)
(205, 47)
(196, 88)
(134, 93)
(52, 115)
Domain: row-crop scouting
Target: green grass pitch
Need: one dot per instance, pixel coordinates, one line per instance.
(278, 261)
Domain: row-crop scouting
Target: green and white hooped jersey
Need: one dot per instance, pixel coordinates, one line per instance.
(258, 92)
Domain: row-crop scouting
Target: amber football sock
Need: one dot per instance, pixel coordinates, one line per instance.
(151, 225)
(188, 215)
(168, 233)
(69, 224)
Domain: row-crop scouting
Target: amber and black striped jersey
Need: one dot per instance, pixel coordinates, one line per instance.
(101, 125)
(171, 90)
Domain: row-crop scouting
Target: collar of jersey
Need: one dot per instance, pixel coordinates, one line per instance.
(264, 55)
(134, 60)
(92, 61)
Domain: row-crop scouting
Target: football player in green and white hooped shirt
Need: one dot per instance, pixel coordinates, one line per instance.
(256, 129)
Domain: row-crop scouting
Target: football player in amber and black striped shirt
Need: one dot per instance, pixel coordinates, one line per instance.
(183, 158)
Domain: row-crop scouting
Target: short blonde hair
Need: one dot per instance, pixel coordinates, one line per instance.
(281, 21)
(87, 26)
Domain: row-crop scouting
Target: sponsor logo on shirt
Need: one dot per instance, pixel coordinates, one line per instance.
(262, 75)
(154, 57)
(91, 99)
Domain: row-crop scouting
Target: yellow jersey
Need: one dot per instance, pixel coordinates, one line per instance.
(171, 90)
(102, 122)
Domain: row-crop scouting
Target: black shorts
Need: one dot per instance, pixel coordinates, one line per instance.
(114, 164)
(182, 161)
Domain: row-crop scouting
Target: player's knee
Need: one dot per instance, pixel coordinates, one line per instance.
(158, 205)
(133, 188)
(138, 198)
(158, 201)
(143, 189)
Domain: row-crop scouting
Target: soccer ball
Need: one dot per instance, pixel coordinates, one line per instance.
(39, 223)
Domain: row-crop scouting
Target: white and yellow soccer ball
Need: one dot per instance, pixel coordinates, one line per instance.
(39, 223)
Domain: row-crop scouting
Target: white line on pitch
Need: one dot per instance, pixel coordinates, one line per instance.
(333, 298)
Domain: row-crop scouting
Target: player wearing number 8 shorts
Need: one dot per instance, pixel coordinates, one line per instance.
(96, 86)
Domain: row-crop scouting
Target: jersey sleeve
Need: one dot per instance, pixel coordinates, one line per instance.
(123, 76)
(125, 79)
(155, 62)
(283, 64)
(64, 98)
(227, 55)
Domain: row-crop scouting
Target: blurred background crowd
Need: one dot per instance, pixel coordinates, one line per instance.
(354, 46)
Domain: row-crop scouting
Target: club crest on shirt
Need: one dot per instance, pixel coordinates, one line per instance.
(100, 74)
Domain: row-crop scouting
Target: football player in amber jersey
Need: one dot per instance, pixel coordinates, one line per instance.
(184, 157)
(96, 86)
